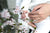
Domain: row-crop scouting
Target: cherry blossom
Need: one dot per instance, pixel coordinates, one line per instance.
(5, 13)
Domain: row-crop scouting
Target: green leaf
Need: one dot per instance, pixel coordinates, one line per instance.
(14, 24)
(11, 13)
(0, 29)
(35, 28)
(31, 20)
(19, 31)
(22, 7)
(27, 19)
(20, 23)
(3, 19)
(0, 24)
(7, 29)
(15, 17)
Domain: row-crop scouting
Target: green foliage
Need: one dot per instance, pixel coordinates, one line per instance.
(20, 23)
(0, 24)
(31, 20)
(0, 30)
(35, 28)
(22, 7)
(11, 13)
(3, 19)
(19, 31)
(27, 19)
(15, 16)
(7, 29)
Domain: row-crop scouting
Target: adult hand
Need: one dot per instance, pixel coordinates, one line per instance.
(23, 16)
(40, 12)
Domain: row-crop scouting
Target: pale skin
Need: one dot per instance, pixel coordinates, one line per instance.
(40, 14)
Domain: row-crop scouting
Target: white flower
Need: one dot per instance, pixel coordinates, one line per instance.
(8, 23)
(5, 14)
(15, 11)
(2, 26)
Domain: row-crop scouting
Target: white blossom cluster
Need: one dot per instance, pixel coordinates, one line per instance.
(5, 13)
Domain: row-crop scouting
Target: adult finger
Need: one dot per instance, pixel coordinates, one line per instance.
(37, 21)
(37, 7)
(31, 24)
(34, 13)
(34, 16)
